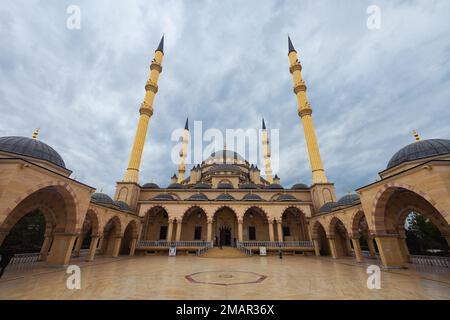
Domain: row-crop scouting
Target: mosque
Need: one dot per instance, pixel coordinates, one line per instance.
(224, 200)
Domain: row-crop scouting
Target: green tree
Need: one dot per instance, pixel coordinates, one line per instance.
(27, 235)
(423, 235)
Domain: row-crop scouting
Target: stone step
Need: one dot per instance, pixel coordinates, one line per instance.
(225, 252)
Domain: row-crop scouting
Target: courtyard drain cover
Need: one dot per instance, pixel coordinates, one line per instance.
(225, 278)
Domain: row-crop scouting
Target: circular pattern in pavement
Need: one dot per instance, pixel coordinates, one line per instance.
(225, 278)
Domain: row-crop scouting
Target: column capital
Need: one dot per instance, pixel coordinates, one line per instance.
(240, 221)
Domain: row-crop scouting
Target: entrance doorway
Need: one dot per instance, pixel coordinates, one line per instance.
(225, 236)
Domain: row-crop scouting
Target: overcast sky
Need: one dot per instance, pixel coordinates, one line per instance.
(226, 65)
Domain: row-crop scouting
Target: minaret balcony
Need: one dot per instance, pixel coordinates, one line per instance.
(295, 67)
(299, 87)
(151, 86)
(156, 66)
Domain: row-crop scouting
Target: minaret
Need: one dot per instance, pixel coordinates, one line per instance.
(146, 111)
(183, 152)
(305, 111)
(266, 150)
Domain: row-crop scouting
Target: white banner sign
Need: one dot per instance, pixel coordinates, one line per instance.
(172, 251)
(262, 251)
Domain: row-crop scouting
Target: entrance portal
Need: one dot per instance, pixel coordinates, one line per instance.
(225, 235)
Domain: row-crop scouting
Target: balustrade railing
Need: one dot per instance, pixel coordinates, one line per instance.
(276, 244)
(163, 243)
(434, 261)
(22, 262)
(205, 249)
(246, 250)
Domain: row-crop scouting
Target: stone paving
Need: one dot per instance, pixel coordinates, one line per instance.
(190, 277)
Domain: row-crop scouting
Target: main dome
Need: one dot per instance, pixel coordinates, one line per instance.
(31, 148)
(420, 149)
(224, 156)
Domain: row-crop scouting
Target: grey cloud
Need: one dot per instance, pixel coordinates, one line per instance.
(225, 64)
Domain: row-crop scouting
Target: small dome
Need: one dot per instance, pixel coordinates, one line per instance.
(287, 197)
(31, 148)
(327, 207)
(420, 149)
(299, 186)
(274, 186)
(201, 185)
(198, 197)
(248, 186)
(163, 196)
(103, 198)
(348, 200)
(150, 185)
(224, 185)
(225, 197)
(251, 197)
(122, 205)
(175, 186)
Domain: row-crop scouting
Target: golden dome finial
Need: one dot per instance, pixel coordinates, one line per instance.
(35, 134)
(416, 135)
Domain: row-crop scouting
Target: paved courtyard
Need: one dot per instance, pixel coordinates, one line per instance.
(185, 277)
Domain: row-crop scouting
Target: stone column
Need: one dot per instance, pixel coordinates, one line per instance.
(92, 248)
(390, 251)
(349, 246)
(3, 235)
(357, 249)
(271, 237)
(78, 245)
(61, 249)
(280, 230)
(178, 234)
(240, 230)
(372, 251)
(333, 249)
(316, 247)
(446, 238)
(209, 230)
(404, 248)
(100, 244)
(116, 248)
(45, 247)
(170, 230)
(133, 246)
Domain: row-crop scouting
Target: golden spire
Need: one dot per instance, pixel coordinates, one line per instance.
(35, 134)
(416, 135)
(183, 152)
(146, 111)
(305, 113)
(266, 150)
